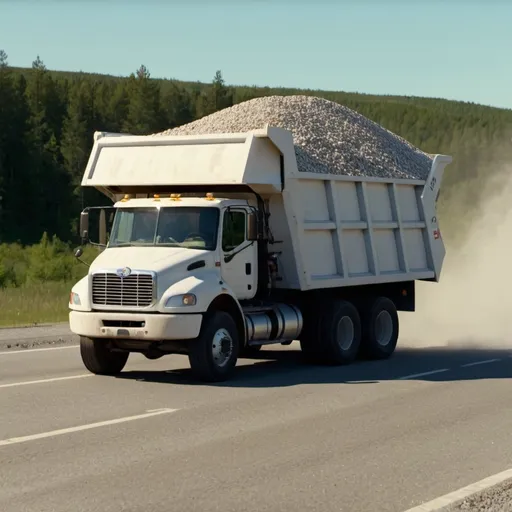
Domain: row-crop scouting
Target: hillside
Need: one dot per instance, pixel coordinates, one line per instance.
(47, 119)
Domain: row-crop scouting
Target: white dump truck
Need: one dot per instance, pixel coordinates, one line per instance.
(219, 245)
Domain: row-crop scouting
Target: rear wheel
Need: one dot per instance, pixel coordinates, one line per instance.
(213, 355)
(333, 335)
(98, 358)
(380, 328)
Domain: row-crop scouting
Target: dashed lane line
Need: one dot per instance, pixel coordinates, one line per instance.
(81, 428)
(487, 361)
(44, 381)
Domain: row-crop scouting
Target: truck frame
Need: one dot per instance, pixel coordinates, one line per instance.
(325, 259)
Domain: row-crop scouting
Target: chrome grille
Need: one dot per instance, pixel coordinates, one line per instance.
(136, 290)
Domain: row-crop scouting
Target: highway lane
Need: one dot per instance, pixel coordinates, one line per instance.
(280, 436)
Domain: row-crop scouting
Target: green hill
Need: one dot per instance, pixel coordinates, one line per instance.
(47, 119)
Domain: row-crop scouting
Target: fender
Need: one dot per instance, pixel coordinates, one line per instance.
(211, 294)
(82, 290)
(206, 286)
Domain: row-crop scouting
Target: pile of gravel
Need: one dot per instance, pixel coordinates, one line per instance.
(328, 137)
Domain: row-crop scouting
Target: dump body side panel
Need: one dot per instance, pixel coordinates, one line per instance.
(357, 230)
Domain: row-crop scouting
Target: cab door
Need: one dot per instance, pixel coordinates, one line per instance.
(239, 260)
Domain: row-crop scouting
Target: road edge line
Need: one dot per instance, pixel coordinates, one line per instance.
(463, 493)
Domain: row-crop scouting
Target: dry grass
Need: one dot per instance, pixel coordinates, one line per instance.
(34, 304)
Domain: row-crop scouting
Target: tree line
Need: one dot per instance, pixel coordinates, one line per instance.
(47, 121)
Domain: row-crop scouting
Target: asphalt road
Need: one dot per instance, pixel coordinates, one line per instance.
(281, 436)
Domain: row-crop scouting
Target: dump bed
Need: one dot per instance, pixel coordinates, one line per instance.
(353, 230)
(329, 230)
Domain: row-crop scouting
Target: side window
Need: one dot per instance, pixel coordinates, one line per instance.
(233, 231)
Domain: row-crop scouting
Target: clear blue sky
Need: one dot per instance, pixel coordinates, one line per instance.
(452, 49)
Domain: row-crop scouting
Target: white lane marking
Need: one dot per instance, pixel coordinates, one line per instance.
(8, 352)
(42, 381)
(424, 374)
(479, 362)
(53, 433)
(463, 493)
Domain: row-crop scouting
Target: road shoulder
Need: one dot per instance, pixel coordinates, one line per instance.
(497, 498)
(492, 494)
(16, 338)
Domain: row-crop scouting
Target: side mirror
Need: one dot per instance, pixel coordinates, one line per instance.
(78, 254)
(84, 225)
(252, 227)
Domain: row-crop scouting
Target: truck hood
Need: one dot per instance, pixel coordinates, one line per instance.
(158, 259)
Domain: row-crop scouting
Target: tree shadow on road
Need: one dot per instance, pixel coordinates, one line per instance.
(286, 367)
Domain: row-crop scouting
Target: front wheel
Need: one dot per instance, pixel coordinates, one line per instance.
(99, 359)
(213, 355)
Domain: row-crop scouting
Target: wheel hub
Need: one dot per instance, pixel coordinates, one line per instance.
(222, 347)
(225, 346)
(383, 328)
(345, 333)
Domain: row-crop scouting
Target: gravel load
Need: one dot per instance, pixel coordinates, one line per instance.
(328, 137)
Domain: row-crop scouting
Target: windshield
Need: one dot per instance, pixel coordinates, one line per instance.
(183, 226)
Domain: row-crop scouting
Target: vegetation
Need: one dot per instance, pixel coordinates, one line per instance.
(47, 121)
(35, 281)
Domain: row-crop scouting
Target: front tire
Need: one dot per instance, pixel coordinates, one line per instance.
(213, 355)
(99, 359)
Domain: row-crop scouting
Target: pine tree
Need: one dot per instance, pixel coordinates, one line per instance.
(144, 114)
(75, 142)
(217, 97)
(177, 107)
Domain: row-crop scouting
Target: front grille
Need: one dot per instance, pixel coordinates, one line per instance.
(136, 290)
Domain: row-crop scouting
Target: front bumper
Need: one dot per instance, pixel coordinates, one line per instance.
(157, 327)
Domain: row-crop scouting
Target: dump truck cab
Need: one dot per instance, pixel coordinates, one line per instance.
(167, 259)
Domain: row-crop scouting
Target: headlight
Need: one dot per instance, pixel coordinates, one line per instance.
(177, 301)
(74, 298)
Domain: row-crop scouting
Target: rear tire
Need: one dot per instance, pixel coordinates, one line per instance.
(332, 337)
(380, 329)
(213, 355)
(99, 359)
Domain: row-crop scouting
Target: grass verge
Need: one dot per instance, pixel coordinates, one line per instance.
(36, 303)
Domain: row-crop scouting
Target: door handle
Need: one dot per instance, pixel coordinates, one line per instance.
(248, 269)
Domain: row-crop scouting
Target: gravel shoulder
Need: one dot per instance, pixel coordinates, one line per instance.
(494, 499)
(16, 338)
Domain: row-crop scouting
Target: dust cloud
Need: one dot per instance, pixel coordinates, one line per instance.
(471, 306)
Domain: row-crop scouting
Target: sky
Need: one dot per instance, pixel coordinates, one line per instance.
(452, 49)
